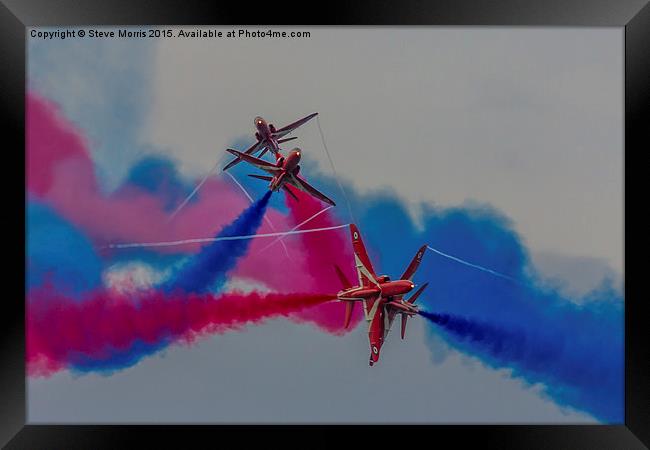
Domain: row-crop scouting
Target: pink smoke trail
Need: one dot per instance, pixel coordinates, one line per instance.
(325, 251)
(61, 172)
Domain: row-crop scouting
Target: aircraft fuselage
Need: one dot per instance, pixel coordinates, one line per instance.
(290, 165)
(265, 134)
(387, 289)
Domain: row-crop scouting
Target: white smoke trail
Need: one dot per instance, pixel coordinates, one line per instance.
(336, 176)
(223, 238)
(196, 189)
(476, 266)
(304, 222)
(240, 186)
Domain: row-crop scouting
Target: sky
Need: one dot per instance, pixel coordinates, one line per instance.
(528, 121)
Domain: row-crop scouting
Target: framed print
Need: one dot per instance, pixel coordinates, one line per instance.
(388, 215)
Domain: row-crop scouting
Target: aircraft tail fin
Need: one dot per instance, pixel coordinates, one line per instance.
(362, 261)
(415, 263)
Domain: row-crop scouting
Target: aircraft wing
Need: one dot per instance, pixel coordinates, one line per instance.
(292, 126)
(289, 191)
(301, 184)
(252, 149)
(257, 162)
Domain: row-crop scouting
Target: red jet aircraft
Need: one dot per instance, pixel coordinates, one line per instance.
(382, 298)
(284, 171)
(268, 138)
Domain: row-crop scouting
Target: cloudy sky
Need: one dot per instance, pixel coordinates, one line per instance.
(529, 121)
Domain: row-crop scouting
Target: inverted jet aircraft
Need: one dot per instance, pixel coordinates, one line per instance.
(284, 172)
(268, 138)
(382, 298)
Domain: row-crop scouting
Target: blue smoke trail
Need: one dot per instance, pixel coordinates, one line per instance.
(59, 253)
(583, 335)
(207, 270)
(575, 369)
(118, 359)
(573, 346)
(157, 175)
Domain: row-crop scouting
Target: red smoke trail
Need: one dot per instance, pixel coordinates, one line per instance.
(61, 172)
(323, 251)
(105, 327)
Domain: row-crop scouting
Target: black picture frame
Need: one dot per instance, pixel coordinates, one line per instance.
(16, 15)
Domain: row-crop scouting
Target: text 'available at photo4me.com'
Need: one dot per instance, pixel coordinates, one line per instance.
(173, 33)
